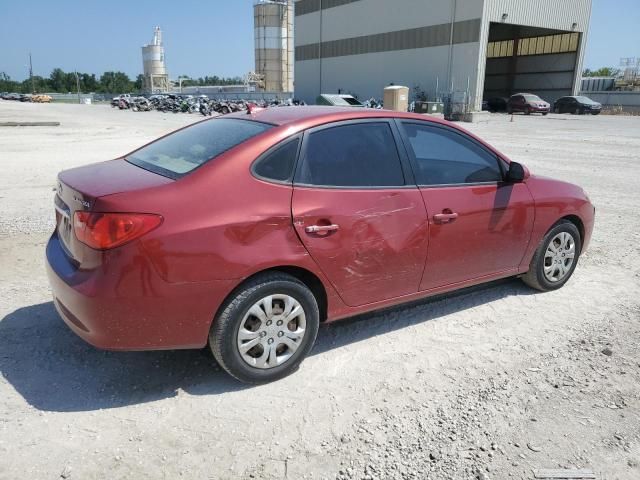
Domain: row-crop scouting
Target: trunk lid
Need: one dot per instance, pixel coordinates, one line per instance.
(78, 188)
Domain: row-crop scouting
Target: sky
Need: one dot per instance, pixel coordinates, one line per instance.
(201, 37)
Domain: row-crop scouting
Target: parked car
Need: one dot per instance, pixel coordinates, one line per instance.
(117, 101)
(244, 232)
(577, 105)
(497, 104)
(527, 103)
(25, 97)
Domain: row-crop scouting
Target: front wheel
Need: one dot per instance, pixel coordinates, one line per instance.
(555, 259)
(265, 330)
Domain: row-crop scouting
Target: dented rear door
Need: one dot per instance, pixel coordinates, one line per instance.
(358, 214)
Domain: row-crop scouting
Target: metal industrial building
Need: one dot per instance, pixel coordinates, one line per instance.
(483, 47)
(273, 27)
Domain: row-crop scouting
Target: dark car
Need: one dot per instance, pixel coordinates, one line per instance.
(527, 103)
(577, 105)
(497, 104)
(244, 232)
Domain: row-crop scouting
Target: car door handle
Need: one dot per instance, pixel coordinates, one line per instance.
(445, 217)
(321, 228)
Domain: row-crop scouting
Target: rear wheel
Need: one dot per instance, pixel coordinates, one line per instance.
(555, 259)
(266, 329)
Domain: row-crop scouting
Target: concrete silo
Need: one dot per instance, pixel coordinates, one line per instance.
(156, 79)
(274, 49)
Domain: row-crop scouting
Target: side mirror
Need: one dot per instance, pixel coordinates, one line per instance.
(515, 174)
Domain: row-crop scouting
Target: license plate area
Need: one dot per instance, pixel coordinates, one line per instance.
(63, 221)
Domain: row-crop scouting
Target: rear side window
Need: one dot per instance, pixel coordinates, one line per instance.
(354, 155)
(178, 153)
(278, 164)
(443, 157)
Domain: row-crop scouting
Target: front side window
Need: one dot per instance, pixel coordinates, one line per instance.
(355, 155)
(181, 152)
(444, 157)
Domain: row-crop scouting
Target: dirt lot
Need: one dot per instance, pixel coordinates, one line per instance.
(490, 383)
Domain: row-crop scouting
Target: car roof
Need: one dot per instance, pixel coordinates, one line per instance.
(298, 118)
(308, 116)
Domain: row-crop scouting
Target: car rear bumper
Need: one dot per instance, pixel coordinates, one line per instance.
(125, 305)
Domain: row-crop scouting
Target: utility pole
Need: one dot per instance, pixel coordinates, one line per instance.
(78, 86)
(180, 80)
(33, 90)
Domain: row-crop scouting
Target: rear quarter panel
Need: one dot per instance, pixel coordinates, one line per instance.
(220, 222)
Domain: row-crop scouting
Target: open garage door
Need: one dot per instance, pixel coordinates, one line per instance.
(530, 60)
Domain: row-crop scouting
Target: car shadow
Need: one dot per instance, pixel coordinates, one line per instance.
(54, 370)
(362, 327)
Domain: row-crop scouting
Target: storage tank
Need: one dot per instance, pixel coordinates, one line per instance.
(274, 49)
(156, 79)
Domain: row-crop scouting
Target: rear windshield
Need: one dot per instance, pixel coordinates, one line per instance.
(178, 153)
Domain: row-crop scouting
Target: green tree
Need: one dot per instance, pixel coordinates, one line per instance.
(115, 82)
(8, 85)
(70, 85)
(40, 85)
(139, 83)
(57, 80)
(88, 82)
(601, 72)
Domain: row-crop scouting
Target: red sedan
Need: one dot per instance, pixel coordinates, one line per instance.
(245, 232)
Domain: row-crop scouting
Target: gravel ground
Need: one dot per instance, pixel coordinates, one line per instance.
(492, 382)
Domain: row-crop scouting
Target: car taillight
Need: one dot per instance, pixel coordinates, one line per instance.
(103, 231)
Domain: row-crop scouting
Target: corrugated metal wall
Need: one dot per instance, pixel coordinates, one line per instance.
(559, 14)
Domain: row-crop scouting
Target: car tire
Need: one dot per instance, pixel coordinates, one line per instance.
(261, 362)
(527, 111)
(509, 111)
(542, 269)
